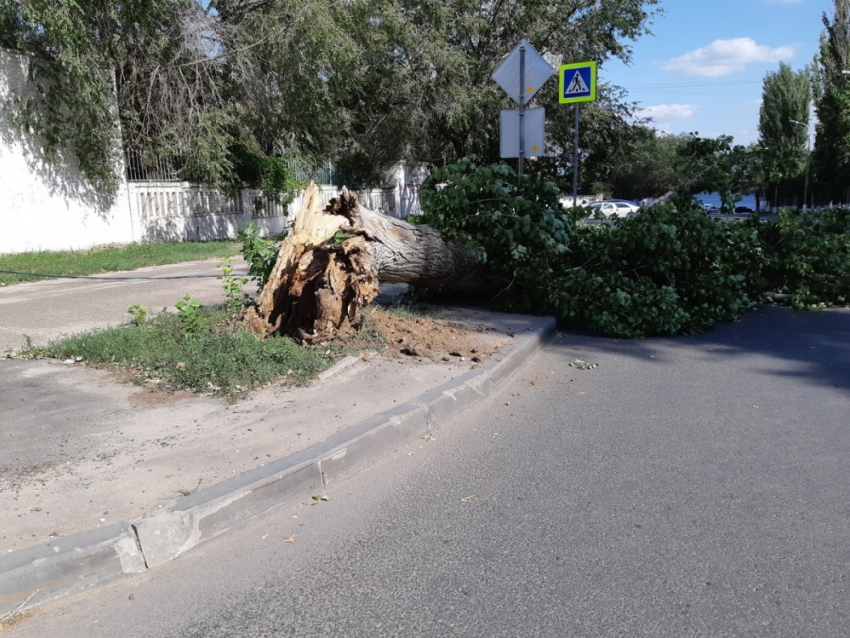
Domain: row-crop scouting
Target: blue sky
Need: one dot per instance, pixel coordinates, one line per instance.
(703, 68)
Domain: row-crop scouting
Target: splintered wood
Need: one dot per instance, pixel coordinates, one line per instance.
(318, 288)
(323, 280)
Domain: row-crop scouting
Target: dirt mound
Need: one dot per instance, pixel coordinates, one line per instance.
(436, 338)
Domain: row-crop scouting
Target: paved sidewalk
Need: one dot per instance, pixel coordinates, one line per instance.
(99, 479)
(47, 309)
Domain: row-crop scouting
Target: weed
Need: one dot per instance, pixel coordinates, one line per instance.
(220, 360)
(259, 252)
(233, 287)
(191, 318)
(138, 314)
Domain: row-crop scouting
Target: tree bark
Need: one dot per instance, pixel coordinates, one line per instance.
(330, 266)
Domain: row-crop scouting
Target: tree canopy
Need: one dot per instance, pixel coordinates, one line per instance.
(783, 127)
(364, 83)
(832, 104)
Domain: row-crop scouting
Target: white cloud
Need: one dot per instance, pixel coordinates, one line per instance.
(667, 111)
(723, 57)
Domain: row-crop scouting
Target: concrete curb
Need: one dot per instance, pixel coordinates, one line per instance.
(101, 556)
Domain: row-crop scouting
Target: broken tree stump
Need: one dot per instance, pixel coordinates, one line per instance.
(330, 266)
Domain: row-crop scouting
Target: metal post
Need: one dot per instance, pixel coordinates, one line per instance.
(575, 161)
(521, 106)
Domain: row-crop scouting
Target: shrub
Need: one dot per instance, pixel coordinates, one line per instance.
(259, 252)
(807, 255)
(668, 270)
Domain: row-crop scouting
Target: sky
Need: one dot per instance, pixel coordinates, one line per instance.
(702, 69)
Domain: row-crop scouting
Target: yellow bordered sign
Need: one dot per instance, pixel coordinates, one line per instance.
(577, 82)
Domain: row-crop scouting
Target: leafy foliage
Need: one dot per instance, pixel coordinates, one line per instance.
(648, 167)
(138, 314)
(832, 104)
(505, 220)
(259, 252)
(233, 287)
(365, 84)
(192, 320)
(808, 256)
(433, 60)
(668, 270)
(272, 175)
(786, 96)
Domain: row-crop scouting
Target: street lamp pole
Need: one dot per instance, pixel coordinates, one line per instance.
(808, 161)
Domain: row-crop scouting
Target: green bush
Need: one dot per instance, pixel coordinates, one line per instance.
(807, 255)
(272, 175)
(259, 252)
(667, 270)
(514, 224)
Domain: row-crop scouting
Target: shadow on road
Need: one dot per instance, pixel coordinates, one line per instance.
(812, 346)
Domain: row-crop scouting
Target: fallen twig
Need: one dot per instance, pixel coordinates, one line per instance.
(12, 614)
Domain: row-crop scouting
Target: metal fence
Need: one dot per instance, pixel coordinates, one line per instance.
(158, 167)
(150, 167)
(325, 174)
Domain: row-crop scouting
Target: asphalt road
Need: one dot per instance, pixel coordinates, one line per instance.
(689, 487)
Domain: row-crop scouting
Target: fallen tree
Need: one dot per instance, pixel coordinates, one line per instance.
(330, 266)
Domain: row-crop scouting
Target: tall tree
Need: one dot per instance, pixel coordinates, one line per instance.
(649, 167)
(436, 57)
(832, 103)
(783, 128)
(164, 57)
(364, 82)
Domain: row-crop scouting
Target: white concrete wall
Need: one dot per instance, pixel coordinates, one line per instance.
(49, 205)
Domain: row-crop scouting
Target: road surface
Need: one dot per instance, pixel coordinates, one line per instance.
(684, 487)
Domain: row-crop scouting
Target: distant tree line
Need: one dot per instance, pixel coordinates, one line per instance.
(784, 167)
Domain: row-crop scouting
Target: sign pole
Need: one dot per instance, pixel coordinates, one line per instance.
(575, 161)
(524, 67)
(576, 84)
(521, 106)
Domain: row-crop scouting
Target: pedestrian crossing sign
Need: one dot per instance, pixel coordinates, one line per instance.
(577, 82)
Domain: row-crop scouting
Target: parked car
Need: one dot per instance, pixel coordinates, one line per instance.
(743, 209)
(613, 208)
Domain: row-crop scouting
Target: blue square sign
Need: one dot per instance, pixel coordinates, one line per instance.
(577, 82)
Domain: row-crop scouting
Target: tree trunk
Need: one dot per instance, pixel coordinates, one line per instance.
(331, 264)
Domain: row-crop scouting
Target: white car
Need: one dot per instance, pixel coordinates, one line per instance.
(614, 208)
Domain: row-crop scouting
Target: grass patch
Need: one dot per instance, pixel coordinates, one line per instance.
(225, 360)
(108, 259)
(206, 351)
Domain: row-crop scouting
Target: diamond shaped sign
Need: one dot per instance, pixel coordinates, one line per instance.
(537, 71)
